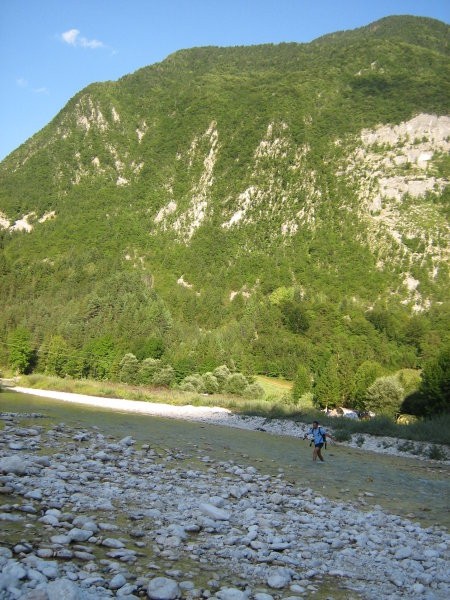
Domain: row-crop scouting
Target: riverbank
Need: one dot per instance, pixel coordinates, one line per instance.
(89, 516)
(225, 417)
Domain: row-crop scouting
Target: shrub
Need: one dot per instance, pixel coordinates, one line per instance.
(236, 384)
(409, 379)
(221, 374)
(384, 396)
(187, 386)
(342, 435)
(193, 382)
(210, 383)
(254, 391)
(436, 453)
(128, 368)
(164, 376)
(147, 370)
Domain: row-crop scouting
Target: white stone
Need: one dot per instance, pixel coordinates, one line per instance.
(49, 520)
(214, 512)
(79, 535)
(231, 594)
(117, 582)
(127, 441)
(418, 588)
(279, 579)
(13, 464)
(34, 494)
(162, 588)
(403, 553)
(63, 589)
(112, 543)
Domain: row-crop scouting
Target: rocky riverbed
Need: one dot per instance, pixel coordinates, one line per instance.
(85, 516)
(225, 417)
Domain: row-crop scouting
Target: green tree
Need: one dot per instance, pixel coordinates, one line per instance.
(129, 368)
(365, 375)
(236, 384)
(302, 382)
(149, 348)
(165, 376)
(147, 370)
(101, 356)
(210, 382)
(435, 385)
(385, 396)
(193, 383)
(57, 356)
(21, 351)
(221, 374)
(294, 316)
(327, 387)
(415, 330)
(254, 391)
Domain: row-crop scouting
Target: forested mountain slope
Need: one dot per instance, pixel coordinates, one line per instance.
(266, 207)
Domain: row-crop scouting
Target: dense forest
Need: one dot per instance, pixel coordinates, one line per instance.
(275, 209)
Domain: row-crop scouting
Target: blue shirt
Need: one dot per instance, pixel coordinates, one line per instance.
(317, 434)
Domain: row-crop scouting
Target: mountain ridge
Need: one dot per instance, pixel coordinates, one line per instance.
(228, 185)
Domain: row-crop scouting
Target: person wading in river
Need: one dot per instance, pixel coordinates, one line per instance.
(319, 438)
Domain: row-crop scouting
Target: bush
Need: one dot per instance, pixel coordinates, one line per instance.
(147, 370)
(342, 435)
(384, 396)
(436, 453)
(187, 386)
(128, 368)
(164, 376)
(221, 374)
(254, 391)
(409, 379)
(193, 383)
(236, 384)
(210, 383)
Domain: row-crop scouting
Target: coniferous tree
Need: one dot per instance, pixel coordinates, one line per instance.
(435, 386)
(20, 349)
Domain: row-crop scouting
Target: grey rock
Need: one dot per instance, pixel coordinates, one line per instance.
(162, 588)
(215, 513)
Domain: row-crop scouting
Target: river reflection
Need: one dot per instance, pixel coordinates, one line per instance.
(404, 486)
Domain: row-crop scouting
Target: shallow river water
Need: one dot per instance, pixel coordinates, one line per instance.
(404, 486)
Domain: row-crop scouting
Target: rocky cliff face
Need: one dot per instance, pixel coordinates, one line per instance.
(390, 168)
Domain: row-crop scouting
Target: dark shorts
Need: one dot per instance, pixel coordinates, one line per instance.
(318, 445)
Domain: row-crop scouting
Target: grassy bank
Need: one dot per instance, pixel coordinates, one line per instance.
(274, 406)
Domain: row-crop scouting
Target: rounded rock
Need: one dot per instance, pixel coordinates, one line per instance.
(162, 588)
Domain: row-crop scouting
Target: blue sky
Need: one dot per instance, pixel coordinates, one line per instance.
(51, 49)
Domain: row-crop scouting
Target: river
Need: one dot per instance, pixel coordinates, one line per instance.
(404, 486)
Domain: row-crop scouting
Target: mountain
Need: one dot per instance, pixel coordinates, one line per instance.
(266, 207)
